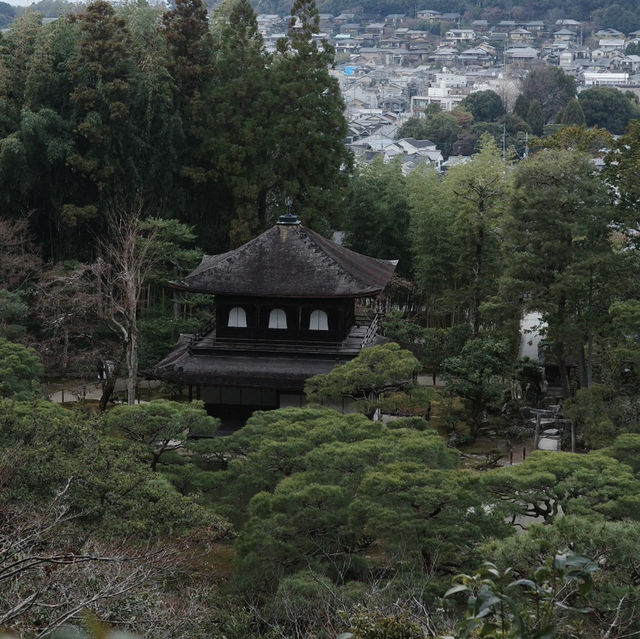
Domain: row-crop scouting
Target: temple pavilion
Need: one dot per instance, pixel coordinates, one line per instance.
(285, 311)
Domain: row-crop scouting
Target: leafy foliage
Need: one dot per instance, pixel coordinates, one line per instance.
(20, 370)
(161, 425)
(477, 375)
(561, 257)
(375, 371)
(502, 607)
(551, 87)
(608, 108)
(378, 213)
(485, 106)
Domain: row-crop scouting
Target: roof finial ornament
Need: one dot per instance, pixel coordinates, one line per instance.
(289, 218)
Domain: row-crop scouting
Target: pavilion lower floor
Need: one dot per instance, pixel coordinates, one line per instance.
(233, 405)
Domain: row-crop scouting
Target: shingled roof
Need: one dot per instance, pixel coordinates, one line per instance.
(250, 370)
(289, 260)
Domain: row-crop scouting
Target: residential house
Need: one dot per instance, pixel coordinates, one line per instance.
(447, 91)
(395, 19)
(521, 35)
(450, 17)
(567, 22)
(326, 21)
(460, 35)
(609, 33)
(475, 55)
(566, 59)
(535, 26)
(413, 153)
(445, 55)
(344, 18)
(375, 29)
(611, 44)
(521, 56)
(631, 64)
(429, 15)
(455, 160)
(351, 28)
(498, 37)
(565, 36)
(345, 43)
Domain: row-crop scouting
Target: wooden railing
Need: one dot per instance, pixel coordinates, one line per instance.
(202, 333)
(203, 342)
(372, 331)
(281, 346)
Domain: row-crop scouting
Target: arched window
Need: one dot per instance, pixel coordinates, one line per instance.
(237, 317)
(277, 318)
(318, 321)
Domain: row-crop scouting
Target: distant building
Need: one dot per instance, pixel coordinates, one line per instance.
(605, 79)
(460, 35)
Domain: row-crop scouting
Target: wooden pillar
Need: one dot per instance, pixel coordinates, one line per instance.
(190, 392)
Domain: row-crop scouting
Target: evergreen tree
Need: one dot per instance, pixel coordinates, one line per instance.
(573, 113)
(157, 130)
(190, 62)
(190, 50)
(521, 107)
(560, 256)
(455, 235)
(17, 50)
(105, 136)
(240, 133)
(378, 214)
(308, 130)
(485, 105)
(443, 129)
(608, 108)
(535, 118)
(551, 87)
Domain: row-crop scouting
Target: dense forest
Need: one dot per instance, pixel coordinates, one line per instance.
(132, 140)
(106, 110)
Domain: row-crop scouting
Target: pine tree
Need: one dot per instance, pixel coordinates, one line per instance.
(190, 62)
(190, 51)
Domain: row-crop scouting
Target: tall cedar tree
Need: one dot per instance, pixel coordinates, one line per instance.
(308, 149)
(17, 50)
(240, 133)
(190, 64)
(157, 131)
(105, 134)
